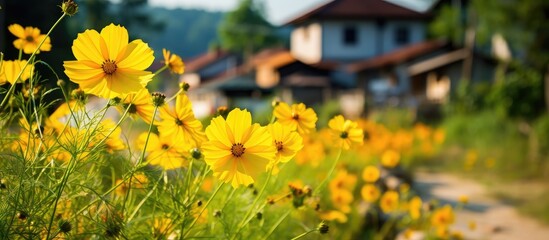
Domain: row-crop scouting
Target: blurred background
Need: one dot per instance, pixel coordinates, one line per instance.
(479, 69)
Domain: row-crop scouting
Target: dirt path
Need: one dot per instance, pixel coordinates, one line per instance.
(494, 219)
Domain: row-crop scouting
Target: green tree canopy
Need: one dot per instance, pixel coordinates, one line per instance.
(246, 30)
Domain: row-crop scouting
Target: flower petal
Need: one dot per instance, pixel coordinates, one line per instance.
(17, 30)
(239, 122)
(116, 38)
(87, 47)
(136, 55)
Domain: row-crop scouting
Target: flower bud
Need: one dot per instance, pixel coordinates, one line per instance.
(185, 86)
(158, 99)
(323, 228)
(69, 7)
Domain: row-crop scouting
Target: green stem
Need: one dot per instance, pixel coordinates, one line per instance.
(304, 234)
(321, 185)
(60, 189)
(141, 158)
(275, 226)
(203, 209)
(247, 216)
(160, 70)
(144, 199)
(31, 57)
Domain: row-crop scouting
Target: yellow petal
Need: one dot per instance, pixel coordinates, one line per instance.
(136, 55)
(87, 47)
(218, 131)
(125, 81)
(17, 30)
(239, 121)
(116, 39)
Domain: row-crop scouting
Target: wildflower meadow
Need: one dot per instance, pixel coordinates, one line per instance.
(142, 166)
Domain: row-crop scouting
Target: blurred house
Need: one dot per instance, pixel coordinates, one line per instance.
(361, 52)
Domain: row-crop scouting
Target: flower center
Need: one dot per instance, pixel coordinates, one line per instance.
(295, 116)
(344, 135)
(29, 39)
(109, 66)
(279, 145)
(165, 146)
(178, 122)
(237, 149)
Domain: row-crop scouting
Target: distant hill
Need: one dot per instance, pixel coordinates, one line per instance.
(186, 32)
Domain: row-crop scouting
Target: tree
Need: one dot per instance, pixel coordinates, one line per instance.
(521, 22)
(246, 30)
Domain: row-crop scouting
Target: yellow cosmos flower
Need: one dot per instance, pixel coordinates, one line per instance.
(333, 215)
(107, 65)
(347, 132)
(141, 105)
(297, 117)
(443, 217)
(370, 174)
(237, 150)
(343, 181)
(11, 69)
(164, 152)
(414, 207)
(287, 143)
(179, 124)
(313, 152)
(173, 61)
(370, 193)
(109, 130)
(342, 199)
(389, 201)
(390, 159)
(29, 39)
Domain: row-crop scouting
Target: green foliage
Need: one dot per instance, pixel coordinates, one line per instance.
(469, 98)
(447, 24)
(245, 29)
(520, 96)
(541, 130)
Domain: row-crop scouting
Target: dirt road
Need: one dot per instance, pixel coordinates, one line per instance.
(494, 219)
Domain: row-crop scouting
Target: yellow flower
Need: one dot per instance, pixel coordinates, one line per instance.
(286, 141)
(347, 132)
(109, 130)
(141, 105)
(237, 150)
(389, 201)
(390, 159)
(29, 39)
(415, 207)
(297, 117)
(342, 199)
(312, 152)
(179, 124)
(333, 215)
(163, 151)
(443, 217)
(370, 193)
(107, 65)
(11, 69)
(163, 228)
(463, 199)
(174, 62)
(370, 174)
(343, 181)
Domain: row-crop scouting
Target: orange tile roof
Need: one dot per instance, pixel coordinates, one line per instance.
(397, 56)
(204, 60)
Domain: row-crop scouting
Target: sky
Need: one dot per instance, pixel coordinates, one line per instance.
(278, 11)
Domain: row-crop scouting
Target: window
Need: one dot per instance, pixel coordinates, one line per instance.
(350, 36)
(402, 35)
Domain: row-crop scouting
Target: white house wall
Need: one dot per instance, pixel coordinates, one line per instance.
(333, 46)
(306, 42)
(416, 30)
(369, 35)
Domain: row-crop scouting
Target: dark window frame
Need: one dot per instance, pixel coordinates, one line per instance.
(402, 35)
(350, 35)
